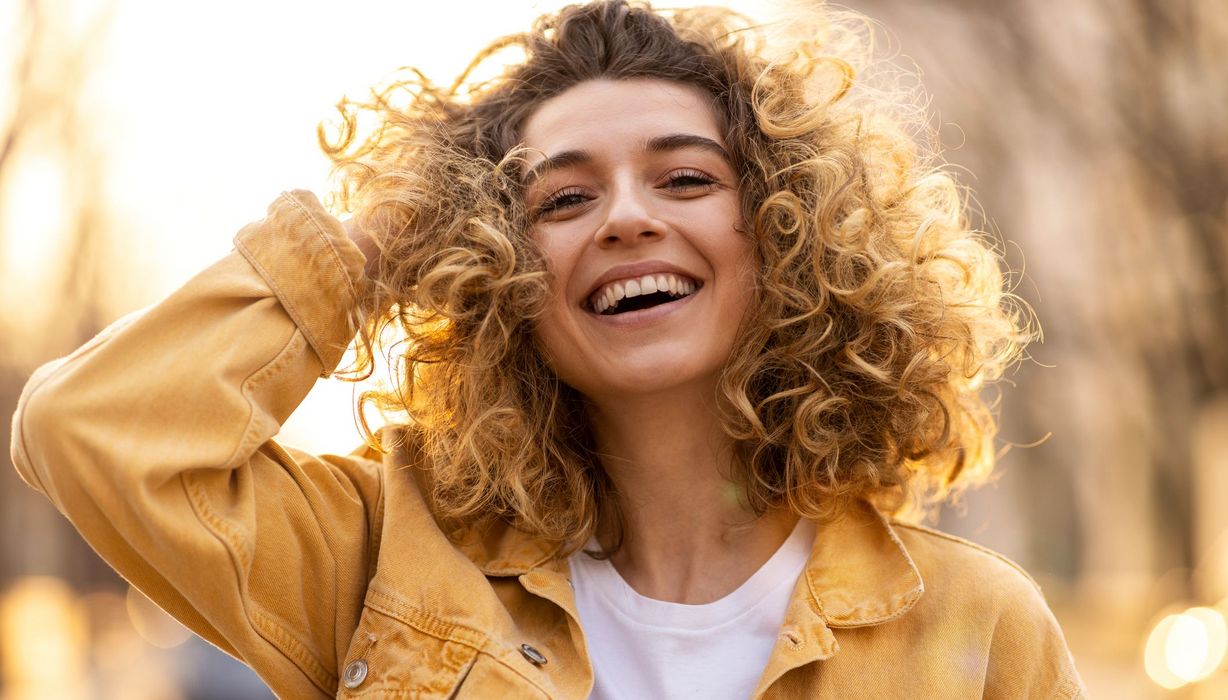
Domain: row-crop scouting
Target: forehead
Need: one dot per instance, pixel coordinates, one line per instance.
(599, 114)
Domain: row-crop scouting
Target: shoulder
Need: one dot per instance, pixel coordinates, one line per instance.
(975, 592)
(945, 559)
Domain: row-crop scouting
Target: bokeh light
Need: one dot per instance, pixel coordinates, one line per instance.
(1186, 647)
(43, 633)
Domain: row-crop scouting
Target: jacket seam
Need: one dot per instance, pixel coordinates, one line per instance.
(901, 606)
(971, 545)
(20, 444)
(377, 528)
(283, 357)
(425, 622)
(386, 689)
(441, 629)
(90, 345)
(1068, 689)
(289, 645)
(292, 647)
(336, 256)
(283, 300)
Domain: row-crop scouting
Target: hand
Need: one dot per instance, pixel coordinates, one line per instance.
(365, 243)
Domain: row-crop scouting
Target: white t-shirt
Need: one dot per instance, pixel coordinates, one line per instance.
(647, 649)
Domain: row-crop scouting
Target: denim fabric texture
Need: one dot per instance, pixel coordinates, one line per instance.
(329, 574)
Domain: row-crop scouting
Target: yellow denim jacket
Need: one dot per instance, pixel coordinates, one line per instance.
(328, 574)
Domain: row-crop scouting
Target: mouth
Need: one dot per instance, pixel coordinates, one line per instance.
(638, 293)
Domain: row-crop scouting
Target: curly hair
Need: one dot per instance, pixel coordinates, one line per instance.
(879, 313)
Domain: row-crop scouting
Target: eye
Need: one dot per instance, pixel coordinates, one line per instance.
(566, 198)
(687, 180)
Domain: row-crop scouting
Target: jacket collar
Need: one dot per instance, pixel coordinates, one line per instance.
(499, 549)
(859, 571)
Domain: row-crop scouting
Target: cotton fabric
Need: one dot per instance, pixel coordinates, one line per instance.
(646, 648)
(155, 439)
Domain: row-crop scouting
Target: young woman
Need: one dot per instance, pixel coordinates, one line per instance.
(688, 319)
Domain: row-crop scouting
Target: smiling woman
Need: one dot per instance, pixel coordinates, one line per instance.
(649, 191)
(689, 321)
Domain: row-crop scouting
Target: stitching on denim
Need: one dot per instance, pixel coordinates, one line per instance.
(220, 528)
(425, 622)
(350, 312)
(440, 629)
(54, 370)
(387, 689)
(319, 674)
(19, 445)
(1068, 689)
(984, 550)
(327, 242)
(377, 527)
(897, 605)
(281, 296)
(231, 538)
(283, 357)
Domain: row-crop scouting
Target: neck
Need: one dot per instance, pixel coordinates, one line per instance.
(689, 537)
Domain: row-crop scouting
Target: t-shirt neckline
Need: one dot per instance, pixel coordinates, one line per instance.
(781, 569)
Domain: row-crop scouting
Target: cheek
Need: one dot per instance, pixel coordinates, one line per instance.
(560, 351)
(741, 262)
(554, 334)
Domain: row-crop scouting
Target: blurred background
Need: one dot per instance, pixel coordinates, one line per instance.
(137, 136)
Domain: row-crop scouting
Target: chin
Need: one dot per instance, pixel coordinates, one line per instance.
(644, 380)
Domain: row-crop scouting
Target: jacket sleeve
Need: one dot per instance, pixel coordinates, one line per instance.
(155, 440)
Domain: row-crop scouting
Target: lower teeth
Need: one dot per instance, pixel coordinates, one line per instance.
(669, 297)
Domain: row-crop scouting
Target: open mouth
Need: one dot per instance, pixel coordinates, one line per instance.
(641, 293)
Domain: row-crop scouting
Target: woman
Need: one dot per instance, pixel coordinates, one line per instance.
(687, 318)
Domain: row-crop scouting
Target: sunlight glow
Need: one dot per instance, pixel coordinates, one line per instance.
(32, 223)
(42, 626)
(197, 140)
(1186, 647)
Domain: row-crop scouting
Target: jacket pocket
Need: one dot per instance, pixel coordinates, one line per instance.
(388, 658)
(490, 678)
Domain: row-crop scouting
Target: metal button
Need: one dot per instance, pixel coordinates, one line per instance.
(355, 674)
(534, 656)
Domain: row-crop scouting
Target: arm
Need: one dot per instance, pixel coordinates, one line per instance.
(154, 439)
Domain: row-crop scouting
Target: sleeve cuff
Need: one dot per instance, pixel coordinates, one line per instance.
(304, 255)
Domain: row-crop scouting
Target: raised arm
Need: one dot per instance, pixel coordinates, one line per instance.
(155, 440)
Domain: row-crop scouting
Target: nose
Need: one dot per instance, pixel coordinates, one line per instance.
(629, 218)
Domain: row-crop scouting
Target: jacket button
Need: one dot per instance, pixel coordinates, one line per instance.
(534, 656)
(355, 673)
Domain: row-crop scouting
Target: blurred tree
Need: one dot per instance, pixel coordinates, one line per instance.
(48, 118)
(1098, 132)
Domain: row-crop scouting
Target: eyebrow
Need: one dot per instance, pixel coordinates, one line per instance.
(657, 144)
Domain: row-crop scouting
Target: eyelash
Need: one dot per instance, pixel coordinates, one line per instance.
(685, 179)
(557, 200)
(697, 178)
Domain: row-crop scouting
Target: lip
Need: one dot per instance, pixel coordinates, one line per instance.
(633, 270)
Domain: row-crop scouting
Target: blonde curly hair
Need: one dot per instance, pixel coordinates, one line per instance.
(879, 314)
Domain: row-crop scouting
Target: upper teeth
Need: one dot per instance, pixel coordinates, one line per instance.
(608, 295)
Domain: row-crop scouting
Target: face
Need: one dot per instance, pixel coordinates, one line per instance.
(636, 207)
